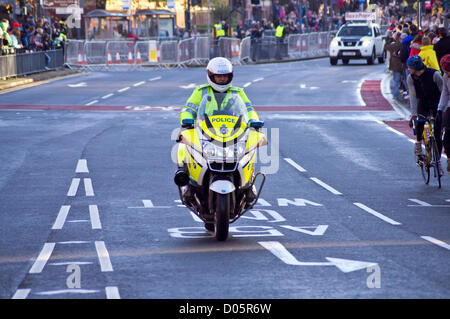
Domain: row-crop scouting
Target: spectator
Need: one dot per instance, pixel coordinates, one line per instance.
(255, 40)
(442, 47)
(276, 12)
(395, 65)
(15, 39)
(5, 39)
(38, 42)
(416, 45)
(428, 54)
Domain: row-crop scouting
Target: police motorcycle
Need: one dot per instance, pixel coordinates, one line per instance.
(216, 162)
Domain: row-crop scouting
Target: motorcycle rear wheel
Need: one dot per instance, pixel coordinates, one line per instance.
(222, 220)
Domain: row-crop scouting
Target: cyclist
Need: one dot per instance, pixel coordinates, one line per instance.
(425, 86)
(443, 113)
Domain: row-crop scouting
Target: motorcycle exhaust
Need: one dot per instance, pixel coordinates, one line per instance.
(181, 178)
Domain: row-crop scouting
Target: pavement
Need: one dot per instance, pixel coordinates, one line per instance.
(36, 78)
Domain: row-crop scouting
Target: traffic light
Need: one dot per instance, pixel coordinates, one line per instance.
(256, 2)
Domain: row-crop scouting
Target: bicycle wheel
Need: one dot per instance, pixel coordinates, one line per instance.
(424, 168)
(435, 159)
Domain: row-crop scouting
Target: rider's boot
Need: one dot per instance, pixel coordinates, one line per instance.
(251, 196)
(418, 148)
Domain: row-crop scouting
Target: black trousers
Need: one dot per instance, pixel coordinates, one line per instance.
(446, 131)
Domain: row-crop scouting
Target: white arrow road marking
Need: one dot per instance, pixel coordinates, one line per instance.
(344, 265)
(189, 86)
(42, 259)
(77, 85)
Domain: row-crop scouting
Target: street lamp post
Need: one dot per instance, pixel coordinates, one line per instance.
(209, 21)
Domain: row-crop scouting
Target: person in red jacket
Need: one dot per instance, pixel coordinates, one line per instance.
(416, 45)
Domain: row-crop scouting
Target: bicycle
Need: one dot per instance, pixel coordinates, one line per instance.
(431, 158)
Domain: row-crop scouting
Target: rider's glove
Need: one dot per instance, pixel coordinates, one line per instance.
(412, 120)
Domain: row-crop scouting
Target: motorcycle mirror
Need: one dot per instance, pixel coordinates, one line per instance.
(256, 124)
(185, 123)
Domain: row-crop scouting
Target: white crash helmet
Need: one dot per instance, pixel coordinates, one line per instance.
(219, 66)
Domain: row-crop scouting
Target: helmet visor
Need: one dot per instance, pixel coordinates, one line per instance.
(221, 79)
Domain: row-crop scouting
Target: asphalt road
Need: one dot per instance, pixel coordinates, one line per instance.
(89, 209)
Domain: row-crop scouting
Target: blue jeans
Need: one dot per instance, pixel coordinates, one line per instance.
(395, 82)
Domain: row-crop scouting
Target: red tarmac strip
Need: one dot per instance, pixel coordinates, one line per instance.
(370, 93)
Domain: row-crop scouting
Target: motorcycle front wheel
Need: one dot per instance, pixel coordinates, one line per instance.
(222, 219)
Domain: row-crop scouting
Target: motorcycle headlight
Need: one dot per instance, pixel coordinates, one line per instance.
(209, 150)
(212, 151)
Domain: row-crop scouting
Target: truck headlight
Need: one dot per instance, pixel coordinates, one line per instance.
(334, 43)
(366, 43)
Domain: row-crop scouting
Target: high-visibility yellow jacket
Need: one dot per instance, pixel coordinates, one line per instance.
(220, 32)
(194, 101)
(279, 31)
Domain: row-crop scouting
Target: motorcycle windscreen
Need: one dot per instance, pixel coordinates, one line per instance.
(222, 116)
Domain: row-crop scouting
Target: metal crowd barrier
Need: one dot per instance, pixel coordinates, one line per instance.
(194, 51)
(13, 65)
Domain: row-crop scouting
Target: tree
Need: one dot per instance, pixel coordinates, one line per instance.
(221, 10)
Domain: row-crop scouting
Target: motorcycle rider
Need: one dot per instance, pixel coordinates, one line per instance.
(219, 74)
